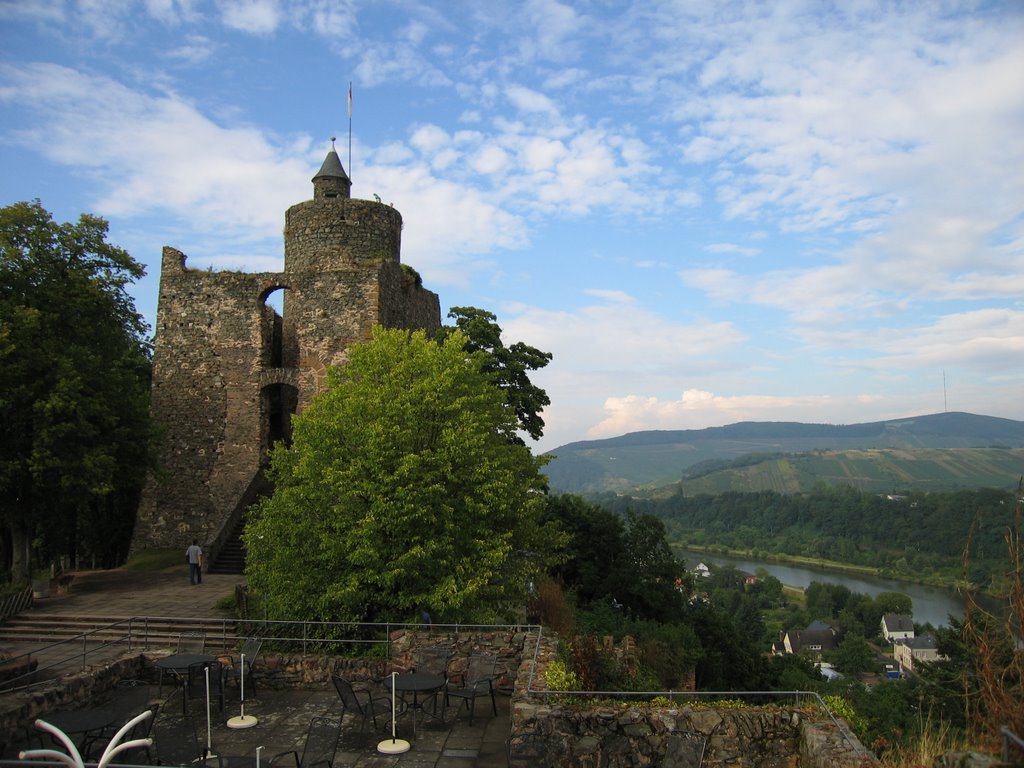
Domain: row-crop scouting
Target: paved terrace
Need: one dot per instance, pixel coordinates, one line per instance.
(283, 716)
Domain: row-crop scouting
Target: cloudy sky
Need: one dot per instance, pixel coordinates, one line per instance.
(708, 211)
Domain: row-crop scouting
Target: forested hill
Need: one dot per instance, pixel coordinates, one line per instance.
(944, 450)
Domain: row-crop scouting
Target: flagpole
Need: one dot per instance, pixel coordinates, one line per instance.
(350, 131)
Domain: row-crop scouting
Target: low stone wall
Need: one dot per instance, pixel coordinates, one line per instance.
(278, 670)
(562, 731)
(20, 709)
(544, 731)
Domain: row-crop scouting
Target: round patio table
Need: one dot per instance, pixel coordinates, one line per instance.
(80, 721)
(178, 664)
(417, 683)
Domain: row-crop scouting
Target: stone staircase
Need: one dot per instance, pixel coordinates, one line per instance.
(231, 558)
(57, 645)
(100, 604)
(230, 552)
(33, 629)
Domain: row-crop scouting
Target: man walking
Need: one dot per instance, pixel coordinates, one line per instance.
(194, 555)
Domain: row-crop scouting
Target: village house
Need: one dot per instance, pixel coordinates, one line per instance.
(914, 650)
(897, 626)
(815, 640)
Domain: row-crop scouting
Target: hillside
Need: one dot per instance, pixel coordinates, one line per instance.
(939, 451)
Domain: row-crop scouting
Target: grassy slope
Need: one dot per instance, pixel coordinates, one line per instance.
(876, 456)
(874, 470)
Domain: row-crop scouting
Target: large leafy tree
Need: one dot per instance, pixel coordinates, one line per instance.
(74, 391)
(509, 367)
(400, 493)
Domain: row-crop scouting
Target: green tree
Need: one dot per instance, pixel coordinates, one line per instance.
(74, 391)
(509, 366)
(400, 493)
(825, 600)
(854, 656)
(650, 581)
(596, 544)
(889, 602)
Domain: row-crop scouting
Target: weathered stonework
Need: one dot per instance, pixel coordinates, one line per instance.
(544, 731)
(229, 372)
(565, 731)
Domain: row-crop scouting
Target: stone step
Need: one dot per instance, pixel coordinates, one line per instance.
(231, 558)
(41, 629)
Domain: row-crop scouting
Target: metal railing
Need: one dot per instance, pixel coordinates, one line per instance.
(74, 654)
(146, 632)
(798, 698)
(16, 603)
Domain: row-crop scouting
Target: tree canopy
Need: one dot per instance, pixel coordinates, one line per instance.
(401, 493)
(74, 390)
(509, 366)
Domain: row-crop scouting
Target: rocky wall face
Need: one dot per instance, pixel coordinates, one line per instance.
(340, 233)
(403, 303)
(223, 361)
(20, 709)
(617, 734)
(206, 398)
(563, 731)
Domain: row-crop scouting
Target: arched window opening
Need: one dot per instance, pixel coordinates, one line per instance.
(273, 328)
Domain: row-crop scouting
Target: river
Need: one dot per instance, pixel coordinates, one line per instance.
(931, 604)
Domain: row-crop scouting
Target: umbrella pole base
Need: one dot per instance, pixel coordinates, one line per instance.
(242, 721)
(393, 746)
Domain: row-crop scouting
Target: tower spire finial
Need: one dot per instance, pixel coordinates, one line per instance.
(332, 144)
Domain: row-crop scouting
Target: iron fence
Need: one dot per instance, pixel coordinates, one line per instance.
(74, 654)
(16, 603)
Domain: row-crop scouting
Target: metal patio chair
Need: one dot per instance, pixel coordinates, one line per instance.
(478, 680)
(360, 701)
(321, 745)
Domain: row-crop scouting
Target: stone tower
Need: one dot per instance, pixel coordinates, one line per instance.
(229, 371)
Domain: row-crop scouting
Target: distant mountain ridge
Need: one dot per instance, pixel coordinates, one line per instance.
(651, 459)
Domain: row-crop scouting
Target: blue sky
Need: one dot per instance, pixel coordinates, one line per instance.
(709, 212)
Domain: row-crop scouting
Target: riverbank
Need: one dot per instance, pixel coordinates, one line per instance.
(822, 564)
(932, 605)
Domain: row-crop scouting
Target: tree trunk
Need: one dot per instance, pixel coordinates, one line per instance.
(21, 552)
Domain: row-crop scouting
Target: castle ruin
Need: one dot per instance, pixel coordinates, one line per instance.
(229, 371)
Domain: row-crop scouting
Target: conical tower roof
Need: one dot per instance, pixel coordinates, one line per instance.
(331, 168)
(331, 180)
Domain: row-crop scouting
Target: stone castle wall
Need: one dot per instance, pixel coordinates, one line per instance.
(228, 372)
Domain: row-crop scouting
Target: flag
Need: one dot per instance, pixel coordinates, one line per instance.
(350, 101)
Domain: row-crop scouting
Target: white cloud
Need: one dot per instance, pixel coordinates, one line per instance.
(613, 346)
(731, 248)
(157, 152)
(992, 339)
(490, 159)
(528, 100)
(609, 295)
(195, 50)
(553, 30)
(257, 17)
(445, 224)
(696, 409)
(38, 11)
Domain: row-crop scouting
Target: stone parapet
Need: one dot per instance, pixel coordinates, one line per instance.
(566, 730)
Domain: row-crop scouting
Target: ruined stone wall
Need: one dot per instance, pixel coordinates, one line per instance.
(210, 342)
(339, 233)
(223, 360)
(20, 709)
(567, 731)
(402, 302)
